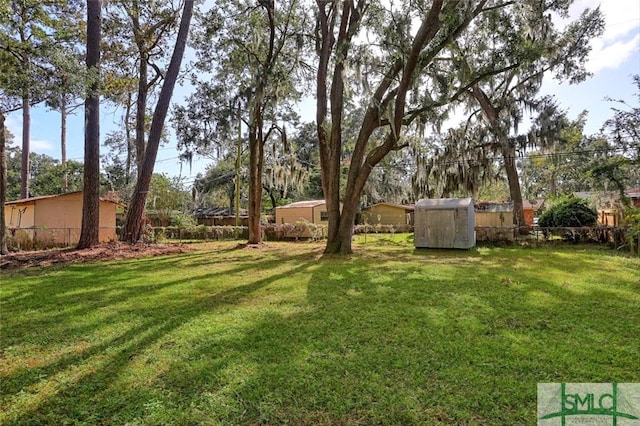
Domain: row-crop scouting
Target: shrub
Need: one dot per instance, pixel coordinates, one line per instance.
(381, 229)
(570, 212)
(201, 232)
(301, 230)
(632, 222)
(182, 220)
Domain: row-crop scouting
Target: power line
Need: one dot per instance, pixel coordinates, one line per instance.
(539, 155)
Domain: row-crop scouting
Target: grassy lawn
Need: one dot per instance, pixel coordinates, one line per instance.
(283, 335)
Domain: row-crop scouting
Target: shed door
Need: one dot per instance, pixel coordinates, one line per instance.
(441, 230)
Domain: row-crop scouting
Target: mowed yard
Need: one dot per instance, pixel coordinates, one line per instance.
(284, 335)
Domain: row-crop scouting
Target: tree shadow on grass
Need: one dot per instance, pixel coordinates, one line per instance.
(411, 349)
(373, 342)
(84, 378)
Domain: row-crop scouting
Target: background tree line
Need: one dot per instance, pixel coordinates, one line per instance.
(387, 79)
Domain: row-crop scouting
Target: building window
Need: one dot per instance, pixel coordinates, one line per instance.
(324, 216)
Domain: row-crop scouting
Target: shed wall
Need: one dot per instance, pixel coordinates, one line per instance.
(444, 223)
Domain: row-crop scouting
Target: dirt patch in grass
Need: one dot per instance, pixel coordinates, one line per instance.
(111, 251)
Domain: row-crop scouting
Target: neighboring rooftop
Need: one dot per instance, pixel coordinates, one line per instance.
(217, 212)
(298, 204)
(401, 206)
(44, 197)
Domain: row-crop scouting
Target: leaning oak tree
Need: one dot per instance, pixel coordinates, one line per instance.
(137, 58)
(405, 56)
(391, 67)
(535, 48)
(89, 233)
(133, 228)
(136, 35)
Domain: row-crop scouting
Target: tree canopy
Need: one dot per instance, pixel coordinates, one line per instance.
(389, 80)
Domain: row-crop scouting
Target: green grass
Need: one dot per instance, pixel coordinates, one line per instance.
(284, 335)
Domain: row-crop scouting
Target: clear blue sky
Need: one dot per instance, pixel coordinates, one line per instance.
(614, 59)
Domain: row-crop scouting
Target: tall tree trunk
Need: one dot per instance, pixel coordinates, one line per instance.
(127, 133)
(141, 101)
(238, 163)
(25, 170)
(3, 187)
(330, 141)
(509, 156)
(508, 152)
(63, 143)
(256, 154)
(272, 198)
(89, 235)
(256, 132)
(401, 72)
(553, 186)
(141, 111)
(133, 228)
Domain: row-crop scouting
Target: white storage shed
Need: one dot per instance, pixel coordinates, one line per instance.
(444, 223)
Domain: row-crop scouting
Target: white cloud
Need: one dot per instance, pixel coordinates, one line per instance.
(41, 145)
(612, 55)
(621, 17)
(13, 125)
(621, 38)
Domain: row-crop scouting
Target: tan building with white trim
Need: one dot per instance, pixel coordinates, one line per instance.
(57, 219)
(313, 211)
(388, 214)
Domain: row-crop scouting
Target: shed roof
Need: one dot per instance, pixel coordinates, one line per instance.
(298, 204)
(443, 203)
(400, 206)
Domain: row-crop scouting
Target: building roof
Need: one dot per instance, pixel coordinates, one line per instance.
(217, 212)
(633, 193)
(400, 206)
(443, 203)
(533, 204)
(609, 195)
(493, 206)
(591, 195)
(44, 197)
(298, 204)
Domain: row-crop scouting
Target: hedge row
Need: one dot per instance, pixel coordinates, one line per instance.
(200, 232)
(270, 232)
